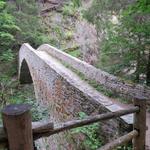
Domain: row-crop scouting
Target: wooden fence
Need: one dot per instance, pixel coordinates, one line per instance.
(18, 131)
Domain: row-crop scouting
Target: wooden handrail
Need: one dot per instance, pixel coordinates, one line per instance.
(120, 141)
(78, 123)
(40, 129)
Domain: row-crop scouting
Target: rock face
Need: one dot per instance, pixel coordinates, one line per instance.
(63, 92)
(86, 38)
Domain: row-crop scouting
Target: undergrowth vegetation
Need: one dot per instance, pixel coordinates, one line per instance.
(71, 8)
(90, 137)
(13, 93)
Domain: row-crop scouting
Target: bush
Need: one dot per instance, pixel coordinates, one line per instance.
(7, 56)
(8, 29)
(27, 18)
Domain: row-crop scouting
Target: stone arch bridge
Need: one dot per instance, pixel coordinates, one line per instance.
(58, 87)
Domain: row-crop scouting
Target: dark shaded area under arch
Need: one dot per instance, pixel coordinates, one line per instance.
(25, 75)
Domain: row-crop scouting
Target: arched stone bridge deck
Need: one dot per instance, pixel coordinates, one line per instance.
(65, 94)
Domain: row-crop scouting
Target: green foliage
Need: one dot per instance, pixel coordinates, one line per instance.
(125, 43)
(71, 8)
(69, 35)
(8, 29)
(58, 30)
(7, 56)
(5, 89)
(98, 13)
(100, 88)
(19, 23)
(75, 53)
(92, 141)
(27, 18)
(8, 32)
(25, 95)
(2, 5)
(76, 3)
(12, 93)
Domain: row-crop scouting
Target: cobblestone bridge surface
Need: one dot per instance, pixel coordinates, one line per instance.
(65, 94)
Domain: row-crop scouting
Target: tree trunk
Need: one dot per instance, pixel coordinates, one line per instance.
(148, 71)
(138, 61)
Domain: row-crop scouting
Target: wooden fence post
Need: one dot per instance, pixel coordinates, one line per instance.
(18, 126)
(140, 124)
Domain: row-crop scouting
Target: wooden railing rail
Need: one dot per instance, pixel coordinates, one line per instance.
(120, 141)
(47, 131)
(40, 129)
(19, 131)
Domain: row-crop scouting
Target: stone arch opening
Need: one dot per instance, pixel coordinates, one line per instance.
(25, 75)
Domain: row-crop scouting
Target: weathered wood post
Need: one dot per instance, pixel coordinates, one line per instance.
(18, 126)
(140, 124)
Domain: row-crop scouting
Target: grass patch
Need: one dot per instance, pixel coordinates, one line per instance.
(75, 53)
